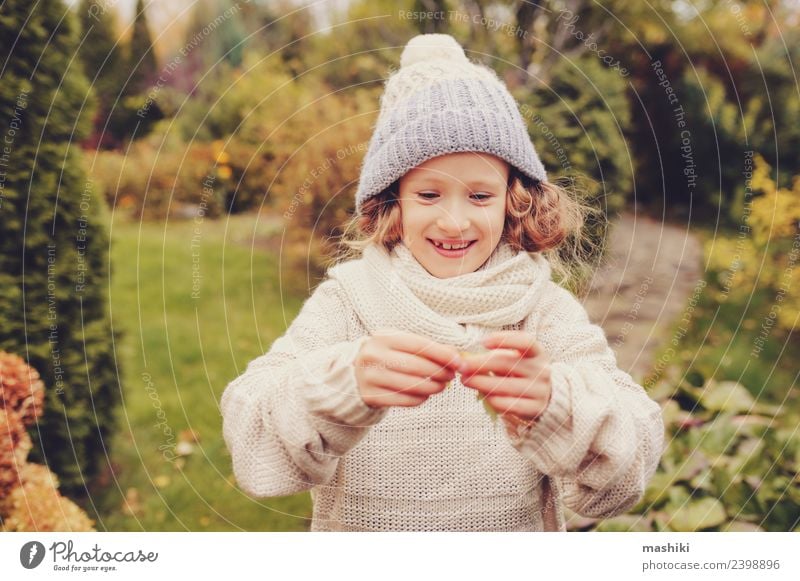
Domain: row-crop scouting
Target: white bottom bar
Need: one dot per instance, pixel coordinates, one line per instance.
(122, 556)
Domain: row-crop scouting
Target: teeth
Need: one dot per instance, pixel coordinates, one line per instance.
(451, 246)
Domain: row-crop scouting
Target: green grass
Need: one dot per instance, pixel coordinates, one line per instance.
(191, 348)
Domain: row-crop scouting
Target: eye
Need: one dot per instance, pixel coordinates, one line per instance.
(481, 196)
(427, 195)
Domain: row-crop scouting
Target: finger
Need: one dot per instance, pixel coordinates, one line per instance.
(404, 383)
(522, 341)
(444, 355)
(527, 408)
(499, 386)
(386, 397)
(414, 365)
(506, 362)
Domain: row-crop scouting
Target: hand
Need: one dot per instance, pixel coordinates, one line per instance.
(514, 375)
(396, 368)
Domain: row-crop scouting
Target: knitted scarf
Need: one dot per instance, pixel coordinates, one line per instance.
(393, 290)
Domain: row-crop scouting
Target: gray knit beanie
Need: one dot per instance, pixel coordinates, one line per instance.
(437, 103)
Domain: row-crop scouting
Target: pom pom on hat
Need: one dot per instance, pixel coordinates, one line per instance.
(426, 47)
(439, 102)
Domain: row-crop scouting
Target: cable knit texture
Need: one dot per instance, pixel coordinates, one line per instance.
(439, 102)
(294, 420)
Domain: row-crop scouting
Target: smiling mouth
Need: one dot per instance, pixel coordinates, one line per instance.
(460, 245)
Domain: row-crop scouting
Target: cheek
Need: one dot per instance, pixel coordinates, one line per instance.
(494, 222)
(410, 227)
(415, 219)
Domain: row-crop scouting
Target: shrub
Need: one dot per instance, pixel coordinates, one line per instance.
(36, 505)
(29, 497)
(160, 175)
(23, 390)
(730, 464)
(579, 130)
(765, 253)
(54, 243)
(15, 444)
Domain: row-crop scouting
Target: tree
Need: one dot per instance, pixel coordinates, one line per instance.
(437, 8)
(53, 241)
(102, 62)
(142, 58)
(224, 42)
(137, 110)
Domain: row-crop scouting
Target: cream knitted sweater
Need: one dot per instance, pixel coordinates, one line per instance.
(295, 420)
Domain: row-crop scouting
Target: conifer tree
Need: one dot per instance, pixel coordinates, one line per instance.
(53, 241)
(102, 62)
(142, 63)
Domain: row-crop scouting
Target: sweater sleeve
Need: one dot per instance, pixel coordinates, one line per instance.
(296, 410)
(600, 435)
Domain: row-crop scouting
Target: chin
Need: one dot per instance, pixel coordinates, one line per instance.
(450, 272)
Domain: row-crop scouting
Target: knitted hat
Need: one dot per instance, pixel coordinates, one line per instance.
(437, 103)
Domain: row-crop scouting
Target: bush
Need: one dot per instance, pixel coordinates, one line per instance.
(36, 505)
(15, 445)
(54, 243)
(29, 498)
(158, 176)
(765, 254)
(730, 465)
(579, 129)
(320, 179)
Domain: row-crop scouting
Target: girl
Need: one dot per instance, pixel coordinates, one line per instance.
(368, 400)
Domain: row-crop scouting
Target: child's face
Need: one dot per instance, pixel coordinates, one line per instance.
(454, 198)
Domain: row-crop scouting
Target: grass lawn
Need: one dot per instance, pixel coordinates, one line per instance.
(177, 354)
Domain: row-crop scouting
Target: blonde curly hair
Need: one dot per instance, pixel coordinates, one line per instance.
(541, 217)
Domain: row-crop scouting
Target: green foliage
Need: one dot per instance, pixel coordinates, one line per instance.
(161, 174)
(729, 396)
(289, 145)
(431, 25)
(763, 256)
(224, 44)
(713, 143)
(238, 131)
(129, 100)
(770, 83)
(53, 243)
(103, 63)
(320, 177)
(100, 52)
(260, 91)
(142, 63)
(730, 464)
(362, 47)
(732, 72)
(577, 124)
(740, 455)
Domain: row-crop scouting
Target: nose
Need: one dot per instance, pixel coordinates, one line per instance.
(452, 223)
